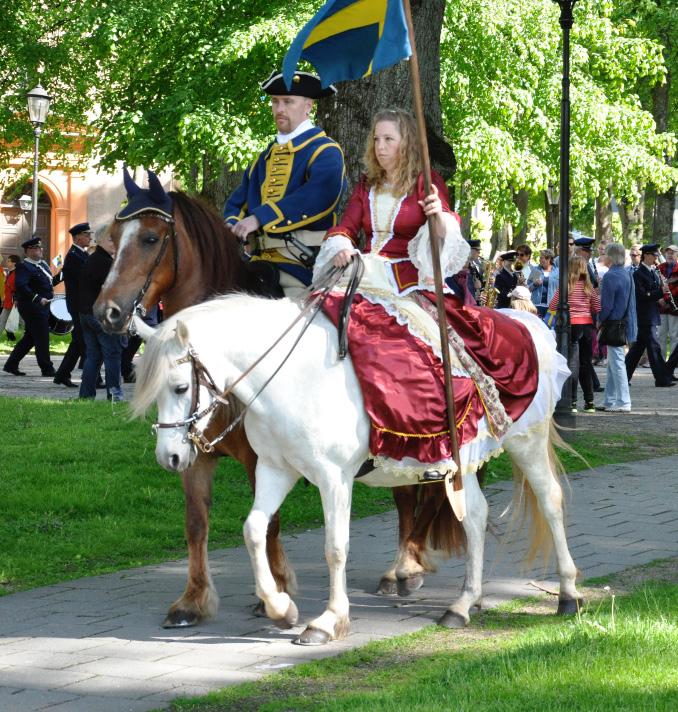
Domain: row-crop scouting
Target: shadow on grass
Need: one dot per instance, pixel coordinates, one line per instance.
(620, 656)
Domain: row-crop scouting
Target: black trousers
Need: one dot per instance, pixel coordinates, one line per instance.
(647, 339)
(36, 335)
(75, 351)
(580, 362)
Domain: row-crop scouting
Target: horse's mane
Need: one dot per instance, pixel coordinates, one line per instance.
(152, 368)
(218, 249)
(154, 365)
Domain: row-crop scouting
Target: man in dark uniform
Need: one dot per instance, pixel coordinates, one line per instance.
(648, 292)
(73, 264)
(506, 280)
(476, 268)
(34, 291)
(584, 247)
(289, 195)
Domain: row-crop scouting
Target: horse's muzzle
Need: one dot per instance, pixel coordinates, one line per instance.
(112, 318)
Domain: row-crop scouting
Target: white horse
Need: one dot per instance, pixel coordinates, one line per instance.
(309, 421)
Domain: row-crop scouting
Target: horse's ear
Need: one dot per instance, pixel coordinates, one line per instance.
(182, 333)
(142, 329)
(156, 191)
(130, 186)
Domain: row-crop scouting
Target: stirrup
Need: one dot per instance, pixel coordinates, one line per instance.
(431, 476)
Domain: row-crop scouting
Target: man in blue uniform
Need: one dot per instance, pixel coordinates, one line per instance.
(648, 292)
(289, 195)
(506, 280)
(34, 283)
(73, 264)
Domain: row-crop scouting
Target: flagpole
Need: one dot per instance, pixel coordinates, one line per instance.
(457, 484)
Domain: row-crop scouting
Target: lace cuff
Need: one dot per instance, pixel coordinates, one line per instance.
(454, 251)
(328, 250)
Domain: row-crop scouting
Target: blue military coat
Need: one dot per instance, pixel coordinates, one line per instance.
(34, 282)
(648, 293)
(292, 186)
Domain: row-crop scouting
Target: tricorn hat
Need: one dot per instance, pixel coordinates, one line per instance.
(153, 199)
(303, 84)
(474, 244)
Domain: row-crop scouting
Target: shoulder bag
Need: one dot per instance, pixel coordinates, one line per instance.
(613, 331)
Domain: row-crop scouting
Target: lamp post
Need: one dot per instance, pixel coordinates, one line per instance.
(38, 108)
(26, 206)
(563, 408)
(553, 197)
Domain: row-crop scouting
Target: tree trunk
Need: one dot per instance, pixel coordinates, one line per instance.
(662, 216)
(218, 182)
(347, 117)
(521, 200)
(603, 218)
(632, 220)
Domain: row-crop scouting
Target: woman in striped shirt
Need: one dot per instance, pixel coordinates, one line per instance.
(584, 304)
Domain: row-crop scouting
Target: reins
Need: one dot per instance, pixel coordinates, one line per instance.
(313, 301)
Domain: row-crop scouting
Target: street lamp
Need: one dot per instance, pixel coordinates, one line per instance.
(563, 408)
(553, 197)
(38, 108)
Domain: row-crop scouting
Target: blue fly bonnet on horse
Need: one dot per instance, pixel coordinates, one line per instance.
(153, 199)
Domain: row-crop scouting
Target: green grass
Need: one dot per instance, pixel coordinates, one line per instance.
(57, 344)
(81, 493)
(621, 655)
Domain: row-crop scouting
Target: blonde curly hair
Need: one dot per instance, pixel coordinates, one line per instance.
(409, 163)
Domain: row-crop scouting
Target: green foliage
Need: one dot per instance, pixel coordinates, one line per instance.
(176, 83)
(501, 96)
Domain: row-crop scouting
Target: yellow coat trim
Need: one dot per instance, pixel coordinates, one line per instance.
(425, 435)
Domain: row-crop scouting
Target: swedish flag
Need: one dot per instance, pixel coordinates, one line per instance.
(350, 39)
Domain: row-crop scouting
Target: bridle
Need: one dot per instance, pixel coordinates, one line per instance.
(138, 308)
(200, 376)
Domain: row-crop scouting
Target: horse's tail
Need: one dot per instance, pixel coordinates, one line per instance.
(525, 505)
(446, 534)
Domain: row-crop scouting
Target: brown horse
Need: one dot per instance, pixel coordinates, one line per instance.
(189, 261)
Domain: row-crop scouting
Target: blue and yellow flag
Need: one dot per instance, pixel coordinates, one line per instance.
(350, 39)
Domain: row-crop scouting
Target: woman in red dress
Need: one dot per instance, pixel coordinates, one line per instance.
(394, 338)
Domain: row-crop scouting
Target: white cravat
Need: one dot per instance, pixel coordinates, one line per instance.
(303, 126)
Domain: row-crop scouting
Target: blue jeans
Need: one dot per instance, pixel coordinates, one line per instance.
(100, 346)
(616, 385)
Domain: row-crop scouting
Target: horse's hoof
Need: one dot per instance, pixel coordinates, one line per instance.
(387, 587)
(313, 636)
(453, 620)
(569, 606)
(410, 584)
(259, 610)
(181, 619)
(289, 620)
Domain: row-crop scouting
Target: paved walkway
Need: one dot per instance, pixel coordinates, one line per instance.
(97, 644)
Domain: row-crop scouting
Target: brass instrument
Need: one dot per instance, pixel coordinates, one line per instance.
(668, 294)
(518, 269)
(488, 297)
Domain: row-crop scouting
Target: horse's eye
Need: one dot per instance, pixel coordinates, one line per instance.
(181, 389)
(150, 238)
